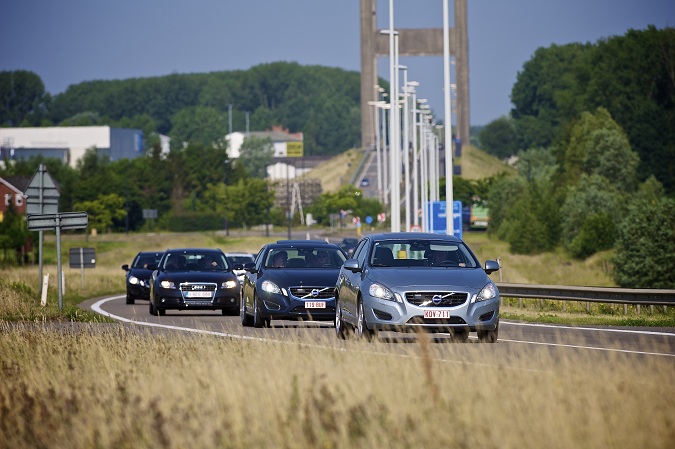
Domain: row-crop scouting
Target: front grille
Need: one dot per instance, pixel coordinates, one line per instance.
(447, 299)
(190, 287)
(302, 309)
(312, 293)
(436, 321)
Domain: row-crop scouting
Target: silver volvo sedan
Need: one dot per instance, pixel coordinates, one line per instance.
(416, 281)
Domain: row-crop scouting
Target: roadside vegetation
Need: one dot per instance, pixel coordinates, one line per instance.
(20, 286)
(124, 387)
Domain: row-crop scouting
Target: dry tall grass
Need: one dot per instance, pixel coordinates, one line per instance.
(127, 388)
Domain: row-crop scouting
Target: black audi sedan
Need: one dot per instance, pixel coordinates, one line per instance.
(194, 279)
(291, 280)
(138, 275)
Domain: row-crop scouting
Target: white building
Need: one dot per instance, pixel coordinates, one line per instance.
(69, 143)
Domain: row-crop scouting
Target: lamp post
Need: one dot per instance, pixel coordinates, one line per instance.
(449, 230)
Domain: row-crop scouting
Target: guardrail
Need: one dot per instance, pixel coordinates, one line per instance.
(635, 296)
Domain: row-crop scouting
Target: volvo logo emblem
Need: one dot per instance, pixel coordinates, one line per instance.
(315, 292)
(436, 299)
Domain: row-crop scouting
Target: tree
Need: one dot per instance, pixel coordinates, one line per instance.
(645, 246)
(23, 101)
(103, 210)
(13, 232)
(245, 202)
(198, 124)
(498, 138)
(255, 154)
(592, 208)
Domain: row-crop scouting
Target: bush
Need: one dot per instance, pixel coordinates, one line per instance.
(645, 246)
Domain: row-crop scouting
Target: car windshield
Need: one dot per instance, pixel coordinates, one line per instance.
(242, 259)
(306, 257)
(421, 253)
(195, 261)
(143, 260)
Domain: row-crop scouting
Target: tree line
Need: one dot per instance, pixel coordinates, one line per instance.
(593, 129)
(321, 102)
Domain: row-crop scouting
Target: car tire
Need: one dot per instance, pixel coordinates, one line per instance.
(488, 336)
(258, 320)
(460, 336)
(152, 309)
(340, 330)
(130, 300)
(362, 330)
(246, 320)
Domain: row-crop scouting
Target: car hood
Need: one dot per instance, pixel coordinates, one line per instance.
(429, 278)
(319, 277)
(141, 273)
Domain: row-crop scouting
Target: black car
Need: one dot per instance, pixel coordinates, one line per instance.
(194, 278)
(291, 280)
(138, 275)
(348, 244)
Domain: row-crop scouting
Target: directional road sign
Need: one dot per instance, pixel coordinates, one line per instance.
(64, 220)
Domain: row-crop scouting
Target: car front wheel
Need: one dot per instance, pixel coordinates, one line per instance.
(130, 300)
(488, 336)
(258, 320)
(339, 323)
(246, 320)
(362, 330)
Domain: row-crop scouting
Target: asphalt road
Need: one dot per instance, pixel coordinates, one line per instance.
(520, 345)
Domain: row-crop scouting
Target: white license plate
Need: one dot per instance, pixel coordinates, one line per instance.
(436, 314)
(315, 304)
(197, 294)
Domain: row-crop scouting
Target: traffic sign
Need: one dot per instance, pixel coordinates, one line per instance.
(65, 220)
(43, 196)
(82, 258)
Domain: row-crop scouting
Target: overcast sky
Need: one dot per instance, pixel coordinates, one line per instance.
(69, 41)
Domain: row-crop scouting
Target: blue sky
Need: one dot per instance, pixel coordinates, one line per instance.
(69, 41)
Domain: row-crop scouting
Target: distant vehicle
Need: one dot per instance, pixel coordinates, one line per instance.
(475, 217)
(348, 244)
(291, 280)
(194, 279)
(410, 282)
(138, 275)
(365, 182)
(240, 258)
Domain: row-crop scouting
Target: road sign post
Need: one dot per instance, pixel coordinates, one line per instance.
(66, 220)
(42, 198)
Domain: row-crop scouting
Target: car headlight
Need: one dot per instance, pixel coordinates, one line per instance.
(270, 287)
(167, 284)
(228, 284)
(382, 292)
(133, 280)
(488, 292)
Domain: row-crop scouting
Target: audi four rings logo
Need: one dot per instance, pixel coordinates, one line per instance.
(315, 292)
(436, 299)
(198, 287)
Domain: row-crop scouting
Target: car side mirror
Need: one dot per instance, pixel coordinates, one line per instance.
(491, 266)
(352, 265)
(250, 267)
(238, 266)
(125, 267)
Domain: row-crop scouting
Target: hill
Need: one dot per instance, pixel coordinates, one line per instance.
(341, 169)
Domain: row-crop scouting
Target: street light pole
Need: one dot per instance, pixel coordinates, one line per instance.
(449, 230)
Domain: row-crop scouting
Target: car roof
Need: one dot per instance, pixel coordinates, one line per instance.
(302, 244)
(413, 235)
(194, 250)
(238, 253)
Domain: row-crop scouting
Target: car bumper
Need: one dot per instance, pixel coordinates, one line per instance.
(382, 314)
(173, 299)
(282, 307)
(138, 291)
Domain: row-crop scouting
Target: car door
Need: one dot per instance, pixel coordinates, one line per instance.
(251, 279)
(351, 283)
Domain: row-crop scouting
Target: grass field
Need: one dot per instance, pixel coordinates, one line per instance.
(120, 387)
